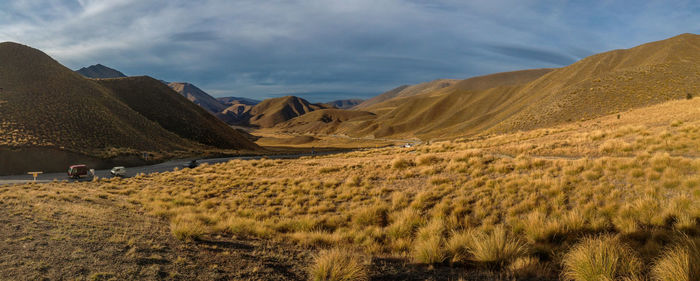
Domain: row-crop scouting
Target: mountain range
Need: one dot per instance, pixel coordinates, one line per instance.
(601, 84)
(44, 105)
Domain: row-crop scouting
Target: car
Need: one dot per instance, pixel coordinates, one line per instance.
(76, 171)
(118, 171)
(192, 164)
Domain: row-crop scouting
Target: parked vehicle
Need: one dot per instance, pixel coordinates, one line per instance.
(76, 171)
(192, 164)
(118, 171)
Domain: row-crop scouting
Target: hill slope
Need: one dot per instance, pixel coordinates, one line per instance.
(197, 96)
(237, 100)
(598, 85)
(345, 104)
(271, 112)
(174, 112)
(100, 71)
(46, 105)
(407, 91)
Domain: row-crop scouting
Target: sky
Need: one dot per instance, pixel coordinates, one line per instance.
(325, 49)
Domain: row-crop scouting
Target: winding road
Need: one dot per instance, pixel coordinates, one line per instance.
(157, 168)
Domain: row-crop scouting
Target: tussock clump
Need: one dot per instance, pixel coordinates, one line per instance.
(401, 163)
(338, 265)
(187, 227)
(429, 251)
(428, 159)
(681, 262)
(601, 258)
(495, 248)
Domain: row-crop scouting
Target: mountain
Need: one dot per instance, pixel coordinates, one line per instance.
(175, 113)
(197, 96)
(100, 71)
(271, 112)
(237, 100)
(44, 105)
(407, 91)
(325, 121)
(345, 104)
(598, 85)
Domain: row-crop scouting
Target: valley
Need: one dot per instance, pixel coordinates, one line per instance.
(589, 171)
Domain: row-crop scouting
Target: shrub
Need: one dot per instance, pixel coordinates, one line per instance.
(459, 244)
(187, 227)
(601, 258)
(401, 163)
(681, 262)
(429, 251)
(338, 265)
(495, 248)
(427, 159)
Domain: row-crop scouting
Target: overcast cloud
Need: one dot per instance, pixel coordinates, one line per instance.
(324, 50)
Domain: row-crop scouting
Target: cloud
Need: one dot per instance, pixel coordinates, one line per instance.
(264, 48)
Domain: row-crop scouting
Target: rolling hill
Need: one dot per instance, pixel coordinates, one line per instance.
(407, 91)
(325, 121)
(46, 105)
(522, 100)
(197, 96)
(100, 71)
(345, 104)
(237, 100)
(174, 113)
(271, 112)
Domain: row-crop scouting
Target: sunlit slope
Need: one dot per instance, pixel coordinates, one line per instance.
(406, 91)
(159, 103)
(271, 112)
(611, 82)
(601, 84)
(326, 121)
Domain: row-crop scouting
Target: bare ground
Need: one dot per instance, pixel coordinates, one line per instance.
(79, 233)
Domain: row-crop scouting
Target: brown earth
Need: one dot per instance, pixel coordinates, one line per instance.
(79, 232)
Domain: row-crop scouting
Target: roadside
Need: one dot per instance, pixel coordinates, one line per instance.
(158, 168)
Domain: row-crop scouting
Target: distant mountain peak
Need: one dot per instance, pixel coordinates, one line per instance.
(100, 71)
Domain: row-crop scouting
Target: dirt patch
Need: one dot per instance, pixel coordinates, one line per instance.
(83, 234)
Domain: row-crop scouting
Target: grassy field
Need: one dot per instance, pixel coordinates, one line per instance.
(613, 198)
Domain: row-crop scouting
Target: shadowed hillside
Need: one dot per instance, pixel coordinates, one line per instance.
(197, 96)
(100, 71)
(271, 112)
(174, 112)
(44, 104)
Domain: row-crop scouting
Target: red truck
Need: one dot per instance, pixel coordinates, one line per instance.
(76, 171)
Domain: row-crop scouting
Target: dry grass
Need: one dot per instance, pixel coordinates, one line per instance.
(338, 265)
(601, 258)
(514, 202)
(681, 262)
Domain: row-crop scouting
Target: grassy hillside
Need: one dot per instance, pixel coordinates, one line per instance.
(345, 104)
(505, 102)
(611, 82)
(44, 104)
(271, 112)
(407, 91)
(174, 112)
(547, 204)
(324, 121)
